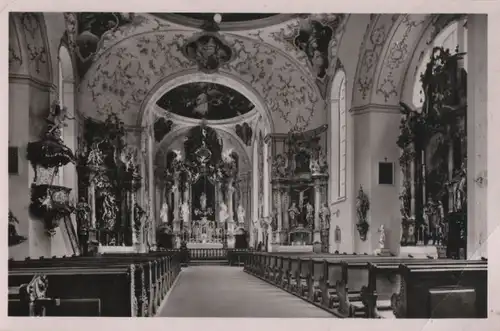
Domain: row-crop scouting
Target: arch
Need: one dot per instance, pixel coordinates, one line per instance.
(338, 130)
(191, 76)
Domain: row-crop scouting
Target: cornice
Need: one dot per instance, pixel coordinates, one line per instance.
(183, 120)
(32, 81)
(227, 26)
(376, 108)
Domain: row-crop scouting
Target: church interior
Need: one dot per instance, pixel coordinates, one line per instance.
(293, 144)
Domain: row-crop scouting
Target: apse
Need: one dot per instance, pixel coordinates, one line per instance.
(201, 100)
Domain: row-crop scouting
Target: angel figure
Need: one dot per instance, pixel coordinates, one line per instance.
(57, 118)
(95, 156)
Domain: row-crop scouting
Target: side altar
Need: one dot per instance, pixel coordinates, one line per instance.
(299, 179)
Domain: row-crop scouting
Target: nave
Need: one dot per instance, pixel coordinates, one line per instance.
(221, 291)
(211, 283)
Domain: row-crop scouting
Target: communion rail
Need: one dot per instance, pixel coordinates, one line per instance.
(234, 256)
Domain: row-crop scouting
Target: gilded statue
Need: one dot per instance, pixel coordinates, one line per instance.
(293, 211)
(223, 214)
(83, 214)
(324, 215)
(164, 213)
(381, 240)
(203, 201)
(309, 214)
(95, 157)
(185, 212)
(241, 214)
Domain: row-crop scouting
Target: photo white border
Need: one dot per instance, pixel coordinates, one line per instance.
(490, 7)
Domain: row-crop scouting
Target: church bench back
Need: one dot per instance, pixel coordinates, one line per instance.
(155, 275)
(415, 300)
(111, 285)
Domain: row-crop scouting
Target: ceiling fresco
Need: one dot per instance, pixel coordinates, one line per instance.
(205, 100)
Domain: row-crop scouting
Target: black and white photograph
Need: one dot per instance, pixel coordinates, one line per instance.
(252, 165)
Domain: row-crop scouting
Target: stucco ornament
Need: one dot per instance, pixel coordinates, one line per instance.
(122, 78)
(209, 51)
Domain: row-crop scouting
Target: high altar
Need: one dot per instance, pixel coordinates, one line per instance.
(203, 205)
(299, 178)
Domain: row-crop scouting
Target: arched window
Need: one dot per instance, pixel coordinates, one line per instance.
(453, 36)
(338, 160)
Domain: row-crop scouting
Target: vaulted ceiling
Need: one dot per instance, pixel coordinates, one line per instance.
(287, 64)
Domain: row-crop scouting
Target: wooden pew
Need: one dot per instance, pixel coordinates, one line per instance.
(30, 299)
(430, 291)
(376, 281)
(151, 284)
(110, 285)
(154, 269)
(142, 291)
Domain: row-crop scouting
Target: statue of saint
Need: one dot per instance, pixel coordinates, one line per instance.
(381, 239)
(83, 214)
(203, 201)
(314, 166)
(309, 213)
(223, 214)
(241, 214)
(164, 213)
(185, 212)
(293, 211)
(324, 215)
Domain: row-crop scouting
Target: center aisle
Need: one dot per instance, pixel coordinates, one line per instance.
(222, 291)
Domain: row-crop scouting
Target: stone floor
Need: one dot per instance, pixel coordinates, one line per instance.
(222, 291)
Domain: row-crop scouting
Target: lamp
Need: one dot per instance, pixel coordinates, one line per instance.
(217, 18)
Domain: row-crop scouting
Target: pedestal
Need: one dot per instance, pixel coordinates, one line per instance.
(382, 252)
(317, 247)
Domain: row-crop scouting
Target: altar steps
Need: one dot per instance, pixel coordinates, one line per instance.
(208, 262)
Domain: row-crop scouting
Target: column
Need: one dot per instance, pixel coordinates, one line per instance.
(176, 207)
(317, 206)
(92, 204)
(152, 217)
(266, 181)
(477, 97)
(286, 221)
(280, 217)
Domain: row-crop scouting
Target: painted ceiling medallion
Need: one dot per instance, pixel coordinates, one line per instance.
(209, 101)
(209, 51)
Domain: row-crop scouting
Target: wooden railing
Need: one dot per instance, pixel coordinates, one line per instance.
(350, 285)
(234, 256)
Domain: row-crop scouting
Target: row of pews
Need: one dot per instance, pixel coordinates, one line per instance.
(362, 286)
(121, 285)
